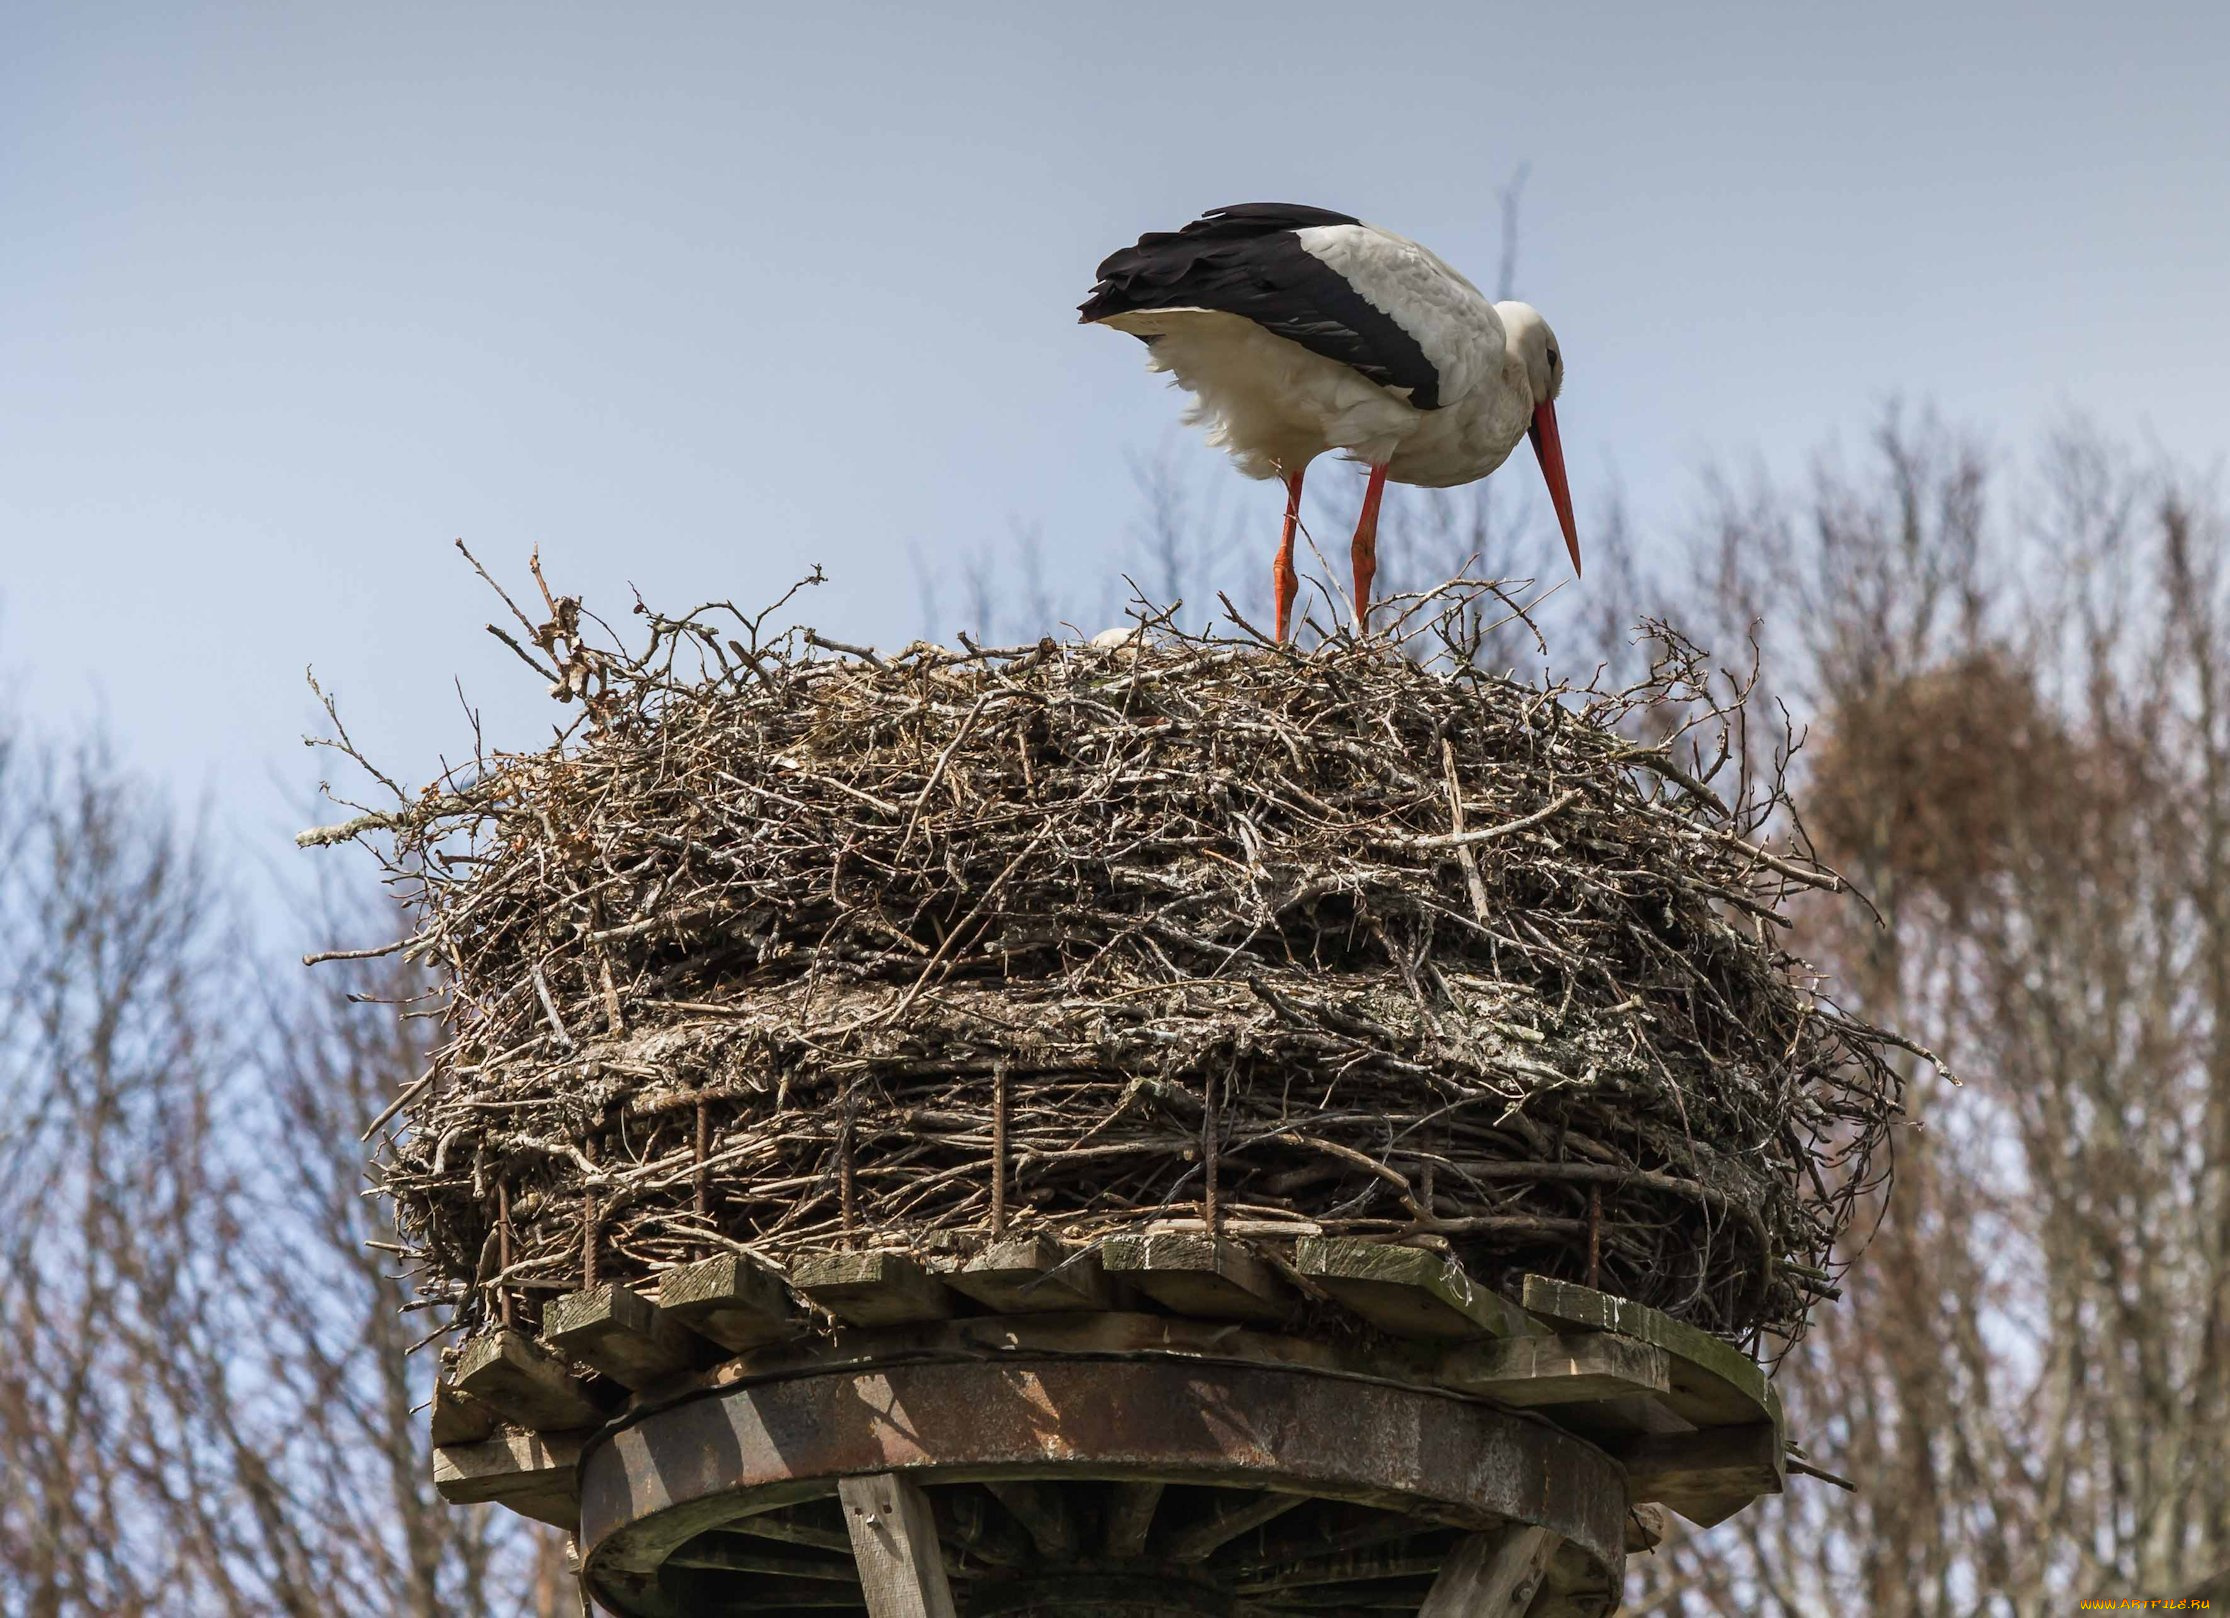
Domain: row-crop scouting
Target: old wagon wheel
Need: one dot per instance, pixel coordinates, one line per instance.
(1115, 1487)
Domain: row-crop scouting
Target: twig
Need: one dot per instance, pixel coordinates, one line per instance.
(403, 1098)
(549, 1008)
(937, 774)
(372, 954)
(1473, 884)
(1488, 834)
(866, 654)
(1805, 1469)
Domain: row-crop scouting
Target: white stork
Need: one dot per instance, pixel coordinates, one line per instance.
(1299, 330)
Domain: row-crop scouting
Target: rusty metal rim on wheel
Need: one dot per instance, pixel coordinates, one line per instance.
(675, 1472)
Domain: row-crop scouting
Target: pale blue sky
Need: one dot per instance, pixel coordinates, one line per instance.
(693, 296)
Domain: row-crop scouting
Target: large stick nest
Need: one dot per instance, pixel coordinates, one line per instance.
(788, 947)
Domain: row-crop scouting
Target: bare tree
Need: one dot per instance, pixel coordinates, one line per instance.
(205, 1406)
(2020, 751)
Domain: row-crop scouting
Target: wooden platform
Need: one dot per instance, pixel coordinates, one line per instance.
(714, 1482)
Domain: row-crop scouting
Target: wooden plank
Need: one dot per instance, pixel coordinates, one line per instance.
(787, 1530)
(524, 1383)
(1609, 1423)
(1349, 1529)
(1407, 1291)
(1714, 1384)
(624, 1335)
(731, 1301)
(727, 1556)
(1576, 1368)
(768, 1598)
(1393, 1598)
(1130, 1517)
(871, 1289)
(777, 1527)
(1706, 1476)
(1031, 1275)
(1119, 1335)
(1199, 1275)
(1042, 1509)
(894, 1541)
(457, 1417)
(1354, 1567)
(528, 1473)
(1491, 1575)
(1201, 1540)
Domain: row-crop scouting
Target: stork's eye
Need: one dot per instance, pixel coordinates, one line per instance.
(1552, 359)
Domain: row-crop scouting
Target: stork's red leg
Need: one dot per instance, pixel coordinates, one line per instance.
(1364, 552)
(1283, 580)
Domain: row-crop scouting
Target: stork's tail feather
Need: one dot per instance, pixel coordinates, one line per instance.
(1254, 260)
(1170, 269)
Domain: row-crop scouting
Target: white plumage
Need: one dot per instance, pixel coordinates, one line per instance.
(1299, 331)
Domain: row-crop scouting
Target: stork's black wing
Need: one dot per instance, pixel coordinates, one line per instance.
(1248, 260)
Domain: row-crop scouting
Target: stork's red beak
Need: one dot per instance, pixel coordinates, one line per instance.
(1551, 451)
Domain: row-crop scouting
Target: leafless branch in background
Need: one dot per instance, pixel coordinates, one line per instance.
(2019, 748)
(1511, 196)
(1185, 537)
(204, 1402)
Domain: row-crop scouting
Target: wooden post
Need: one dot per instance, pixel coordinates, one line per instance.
(1491, 1575)
(894, 1541)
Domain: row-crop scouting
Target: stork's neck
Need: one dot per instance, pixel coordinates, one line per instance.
(1528, 344)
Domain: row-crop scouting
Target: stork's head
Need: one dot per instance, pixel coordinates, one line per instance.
(1539, 362)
